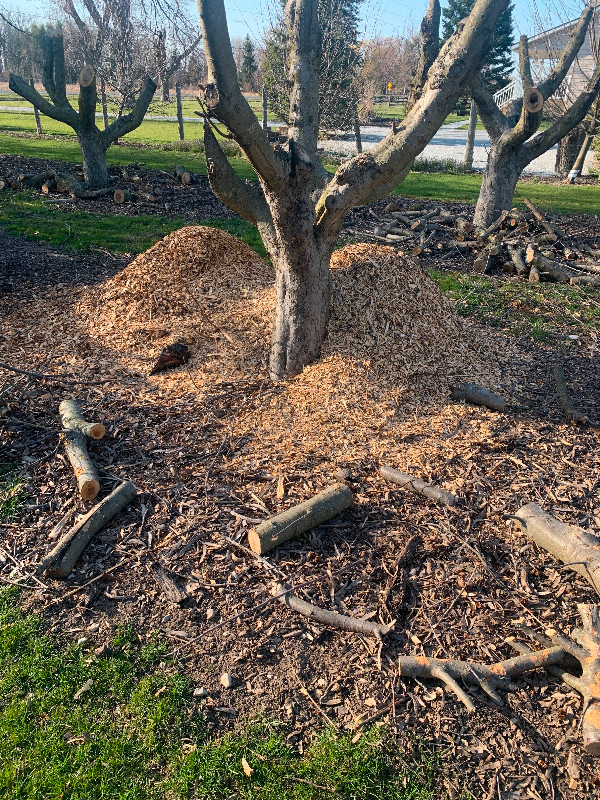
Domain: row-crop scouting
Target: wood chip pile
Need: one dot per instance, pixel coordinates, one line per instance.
(393, 337)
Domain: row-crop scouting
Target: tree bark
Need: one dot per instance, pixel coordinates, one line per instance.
(497, 187)
(303, 294)
(567, 151)
(93, 151)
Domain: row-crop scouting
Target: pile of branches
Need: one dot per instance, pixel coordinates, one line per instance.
(524, 243)
(72, 184)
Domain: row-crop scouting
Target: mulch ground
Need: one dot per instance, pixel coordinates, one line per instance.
(199, 452)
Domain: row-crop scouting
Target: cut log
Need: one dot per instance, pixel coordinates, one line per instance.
(516, 256)
(476, 395)
(330, 618)
(553, 268)
(69, 185)
(534, 274)
(417, 485)
(122, 196)
(572, 545)
(585, 280)
(76, 434)
(298, 519)
(60, 561)
(49, 186)
(563, 394)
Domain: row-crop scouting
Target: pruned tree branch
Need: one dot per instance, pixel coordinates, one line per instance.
(129, 122)
(22, 88)
(225, 100)
(304, 32)
(494, 120)
(241, 197)
(573, 46)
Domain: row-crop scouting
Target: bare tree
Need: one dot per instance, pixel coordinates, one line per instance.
(513, 143)
(126, 39)
(94, 142)
(297, 206)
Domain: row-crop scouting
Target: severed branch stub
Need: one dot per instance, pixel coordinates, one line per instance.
(572, 545)
(478, 396)
(298, 519)
(488, 678)
(60, 561)
(330, 618)
(77, 431)
(416, 484)
(587, 653)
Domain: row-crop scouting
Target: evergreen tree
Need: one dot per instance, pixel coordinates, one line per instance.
(341, 60)
(499, 64)
(248, 65)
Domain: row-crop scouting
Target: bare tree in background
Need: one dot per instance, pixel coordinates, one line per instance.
(94, 142)
(297, 205)
(126, 39)
(391, 59)
(513, 143)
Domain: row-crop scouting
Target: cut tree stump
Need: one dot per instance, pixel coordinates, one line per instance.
(572, 545)
(298, 519)
(417, 485)
(77, 431)
(60, 561)
(476, 395)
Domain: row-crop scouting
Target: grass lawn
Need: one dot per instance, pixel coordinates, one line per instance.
(553, 197)
(126, 725)
(25, 215)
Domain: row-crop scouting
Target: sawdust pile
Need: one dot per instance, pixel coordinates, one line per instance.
(393, 336)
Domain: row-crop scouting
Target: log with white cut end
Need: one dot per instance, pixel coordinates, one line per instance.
(572, 545)
(77, 432)
(471, 393)
(417, 485)
(298, 519)
(60, 561)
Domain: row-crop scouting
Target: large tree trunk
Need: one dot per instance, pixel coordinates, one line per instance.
(568, 149)
(498, 186)
(94, 159)
(303, 293)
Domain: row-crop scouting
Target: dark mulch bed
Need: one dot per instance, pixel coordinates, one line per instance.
(474, 580)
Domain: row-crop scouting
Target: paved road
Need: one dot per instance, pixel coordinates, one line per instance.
(448, 143)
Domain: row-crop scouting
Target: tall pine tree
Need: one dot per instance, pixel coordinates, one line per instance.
(499, 64)
(341, 60)
(248, 65)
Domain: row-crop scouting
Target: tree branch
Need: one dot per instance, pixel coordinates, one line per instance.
(176, 60)
(27, 92)
(430, 48)
(225, 100)
(494, 120)
(524, 62)
(359, 178)
(573, 46)
(131, 121)
(304, 36)
(241, 197)
(572, 117)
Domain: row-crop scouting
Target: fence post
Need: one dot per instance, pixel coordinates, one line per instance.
(38, 122)
(179, 112)
(264, 107)
(471, 137)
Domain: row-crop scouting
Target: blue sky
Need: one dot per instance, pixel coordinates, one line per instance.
(379, 17)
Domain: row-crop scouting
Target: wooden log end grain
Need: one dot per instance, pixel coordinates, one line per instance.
(87, 75)
(300, 518)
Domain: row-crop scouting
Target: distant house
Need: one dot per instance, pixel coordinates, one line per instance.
(547, 46)
(544, 50)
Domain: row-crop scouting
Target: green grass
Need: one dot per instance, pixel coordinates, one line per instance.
(12, 494)
(538, 310)
(67, 149)
(577, 199)
(25, 215)
(137, 733)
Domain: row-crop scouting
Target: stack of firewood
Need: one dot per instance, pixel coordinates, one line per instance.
(519, 242)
